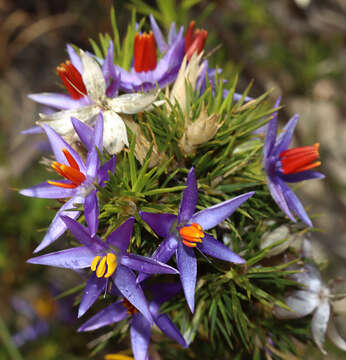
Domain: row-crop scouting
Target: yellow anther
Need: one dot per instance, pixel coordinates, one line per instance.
(101, 268)
(111, 264)
(95, 262)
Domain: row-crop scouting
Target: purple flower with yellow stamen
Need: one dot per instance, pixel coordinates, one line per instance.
(79, 179)
(185, 231)
(288, 165)
(140, 328)
(109, 261)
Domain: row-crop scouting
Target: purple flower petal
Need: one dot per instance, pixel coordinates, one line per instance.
(120, 237)
(302, 176)
(108, 64)
(57, 226)
(140, 336)
(33, 130)
(48, 191)
(187, 266)
(92, 163)
(125, 280)
(160, 41)
(270, 137)
(302, 303)
(160, 223)
(110, 315)
(75, 59)
(190, 198)
(74, 258)
(319, 324)
(58, 143)
(212, 216)
(56, 100)
(216, 249)
(166, 325)
(172, 35)
(278, 196)
(102, 174)
(285, 138)
(82, 235)
(84, 132)
(163, 253)
(163, 292)
(294, 203)
(98, 137)
(91, 212)
(146, 265)
(92, 291)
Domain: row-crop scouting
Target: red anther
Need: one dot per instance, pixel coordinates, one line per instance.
(72, 80)
(145, 57)
(300, 159)
(71, 173)
(70, 159)
(194, 40)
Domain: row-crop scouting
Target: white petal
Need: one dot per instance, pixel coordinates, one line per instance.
(334, 336)
(319, 324)
(114, 133)
(302, 303)
(310, 277)
(132, 103)
(60, 121)
(93, 78)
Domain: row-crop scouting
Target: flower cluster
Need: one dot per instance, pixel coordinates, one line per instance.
(106, 103)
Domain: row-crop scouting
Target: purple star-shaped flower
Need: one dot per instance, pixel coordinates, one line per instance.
(293, 165)
(140, 327)
(146, 73)
(185, 231)
(79, 181)
(107, 259)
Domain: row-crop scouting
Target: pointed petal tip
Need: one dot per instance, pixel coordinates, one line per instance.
(38, 249)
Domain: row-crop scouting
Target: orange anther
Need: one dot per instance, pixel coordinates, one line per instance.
(191, 234)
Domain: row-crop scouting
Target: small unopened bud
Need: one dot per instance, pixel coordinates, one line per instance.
(188, 74)
(279, 234)
(200, 131)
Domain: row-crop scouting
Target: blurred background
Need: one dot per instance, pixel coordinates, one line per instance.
(296, 48)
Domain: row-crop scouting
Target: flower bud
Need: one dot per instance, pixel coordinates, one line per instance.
(200, 131)
(279, 234)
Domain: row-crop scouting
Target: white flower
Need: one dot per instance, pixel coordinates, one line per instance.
(314, 298)
(115, 134)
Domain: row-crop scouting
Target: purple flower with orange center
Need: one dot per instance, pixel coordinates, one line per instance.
(185, 232)
(140, 328)
(109, 262)
(288, 165)
(79, 179)
(147, 71)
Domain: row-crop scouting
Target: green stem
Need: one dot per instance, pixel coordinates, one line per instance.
(7, 341)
